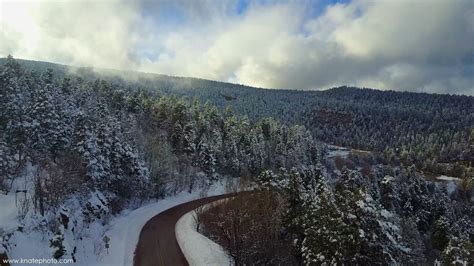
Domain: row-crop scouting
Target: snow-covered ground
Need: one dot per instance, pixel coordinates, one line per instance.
(125, 229)
(198, 249)
(30, 238)
(451, 186)
(8, 213)
(448, 178)
(451, 183)
(337, 151)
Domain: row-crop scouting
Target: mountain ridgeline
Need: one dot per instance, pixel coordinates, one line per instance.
(82, 145)
(433, 131)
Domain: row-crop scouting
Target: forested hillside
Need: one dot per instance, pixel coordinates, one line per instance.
(77, 147)
(75, 152)
(122, 135)
(316, 215)
(434, 132)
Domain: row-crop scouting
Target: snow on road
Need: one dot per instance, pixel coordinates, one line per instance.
(448, 178)
(125, 230)
(9, 213)
(337, 151)
(198, 249)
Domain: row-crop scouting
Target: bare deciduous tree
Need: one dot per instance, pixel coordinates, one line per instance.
(249, 227)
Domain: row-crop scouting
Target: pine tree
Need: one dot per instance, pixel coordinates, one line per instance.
(15, 120)
(325, 234)
(459, 251)
(50, 131)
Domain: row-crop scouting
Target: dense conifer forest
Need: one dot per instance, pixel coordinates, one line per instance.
(432, 131)
(126, 137)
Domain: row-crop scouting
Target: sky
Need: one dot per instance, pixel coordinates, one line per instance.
(419, 45)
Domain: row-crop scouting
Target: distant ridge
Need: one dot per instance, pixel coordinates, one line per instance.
(179, 81)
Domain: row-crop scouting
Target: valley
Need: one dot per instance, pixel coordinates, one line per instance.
(82, 148)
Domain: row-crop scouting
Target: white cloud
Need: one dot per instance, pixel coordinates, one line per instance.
(422, 45)
(75, 32)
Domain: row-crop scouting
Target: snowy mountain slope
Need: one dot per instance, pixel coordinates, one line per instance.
(88, 246)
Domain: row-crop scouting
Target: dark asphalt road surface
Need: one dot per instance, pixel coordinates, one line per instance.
(157, 244)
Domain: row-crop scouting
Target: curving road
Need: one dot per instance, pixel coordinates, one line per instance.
(157, 244)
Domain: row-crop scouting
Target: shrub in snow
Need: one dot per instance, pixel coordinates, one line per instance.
(57, 244)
